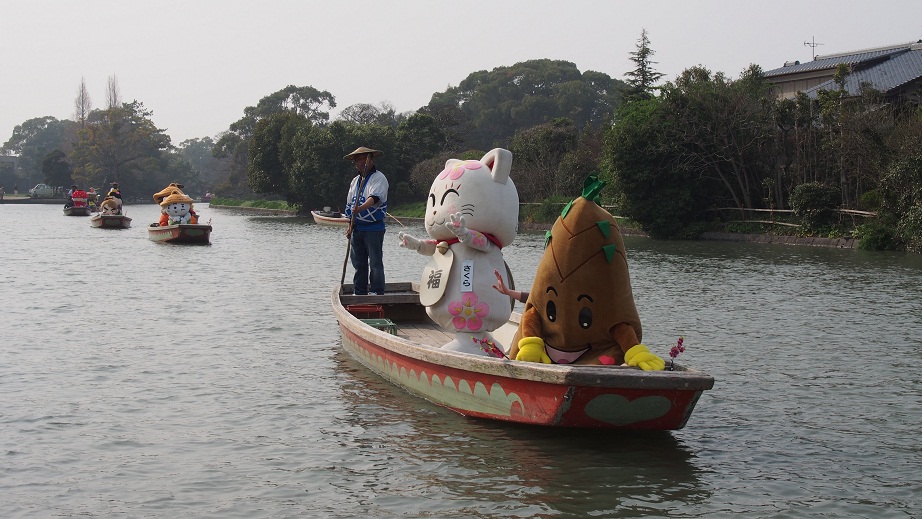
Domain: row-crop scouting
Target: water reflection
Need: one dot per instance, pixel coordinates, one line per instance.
(477, 465)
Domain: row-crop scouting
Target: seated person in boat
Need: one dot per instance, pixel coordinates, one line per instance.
(580, 309)
(115, 193)
(70, 196)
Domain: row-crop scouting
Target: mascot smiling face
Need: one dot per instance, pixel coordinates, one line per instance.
(581, 306)
(177, 208)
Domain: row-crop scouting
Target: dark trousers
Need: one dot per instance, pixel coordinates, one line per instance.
(368, 253)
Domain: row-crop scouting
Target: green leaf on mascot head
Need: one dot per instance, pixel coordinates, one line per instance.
(547, 238)
(605, 227)
(592, 186)
(609, 251)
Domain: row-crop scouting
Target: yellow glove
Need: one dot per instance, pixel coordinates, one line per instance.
(641, 357)
(531, 349)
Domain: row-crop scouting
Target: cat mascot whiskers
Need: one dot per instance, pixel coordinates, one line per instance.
(472, 212)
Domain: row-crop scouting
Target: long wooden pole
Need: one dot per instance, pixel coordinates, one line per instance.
(362, 180)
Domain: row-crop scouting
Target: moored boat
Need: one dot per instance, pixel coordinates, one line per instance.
(181, 233)
(398, 341)
(328, 217)
(110, 221)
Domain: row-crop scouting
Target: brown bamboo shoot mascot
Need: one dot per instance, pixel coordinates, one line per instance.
(581, 308)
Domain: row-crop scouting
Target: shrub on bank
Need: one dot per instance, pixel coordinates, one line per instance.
(815, 204)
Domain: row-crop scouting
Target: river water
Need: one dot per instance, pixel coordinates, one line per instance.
(150, 380)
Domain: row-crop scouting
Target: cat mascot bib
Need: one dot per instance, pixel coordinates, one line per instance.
(581, 308)
(472, 213)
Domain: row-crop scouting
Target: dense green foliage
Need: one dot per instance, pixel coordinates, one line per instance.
(33, 140)
(708, 142)
(56, 170)
(123, 145)
(487, 108)
(815, 204)
(280, 205)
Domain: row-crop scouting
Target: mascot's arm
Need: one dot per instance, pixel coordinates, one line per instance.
(471, 238)
(424, 247)
(531, 346)
(635, 354)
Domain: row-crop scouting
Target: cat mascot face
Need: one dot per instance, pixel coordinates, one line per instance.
(472, 212)
(177, 208)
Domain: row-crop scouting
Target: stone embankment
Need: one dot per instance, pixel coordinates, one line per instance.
(840, 243)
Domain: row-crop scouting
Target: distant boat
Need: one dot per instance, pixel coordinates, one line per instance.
(77, 205)
(328, 217)
(180, 233)
(110, 221)
(74, 210)
(391, 335)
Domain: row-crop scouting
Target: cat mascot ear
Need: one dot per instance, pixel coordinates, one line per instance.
(500, 163)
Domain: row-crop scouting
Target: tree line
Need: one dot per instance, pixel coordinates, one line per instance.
(673, 153)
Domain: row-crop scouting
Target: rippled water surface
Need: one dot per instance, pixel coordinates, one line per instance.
(150, 380)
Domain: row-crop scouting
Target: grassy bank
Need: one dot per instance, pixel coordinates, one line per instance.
(259, 204)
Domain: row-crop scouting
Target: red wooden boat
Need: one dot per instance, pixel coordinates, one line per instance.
(110, 221)
(403, 347)
(181, 233)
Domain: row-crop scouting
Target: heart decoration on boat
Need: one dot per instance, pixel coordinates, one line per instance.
(617, 410)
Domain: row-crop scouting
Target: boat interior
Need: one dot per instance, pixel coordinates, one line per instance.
(400, 304)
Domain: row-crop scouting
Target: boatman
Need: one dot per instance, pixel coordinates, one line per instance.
(117, 195)
(366, 207)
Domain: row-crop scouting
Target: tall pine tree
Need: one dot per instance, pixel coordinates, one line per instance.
(642, 80)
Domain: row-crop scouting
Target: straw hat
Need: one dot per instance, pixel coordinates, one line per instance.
(361, 150)
(176, 198)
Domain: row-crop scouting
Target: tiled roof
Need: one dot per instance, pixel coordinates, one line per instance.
(833, 60)
(897, 71)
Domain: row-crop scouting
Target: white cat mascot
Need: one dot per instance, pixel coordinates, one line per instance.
(472, 212)
(178, 209)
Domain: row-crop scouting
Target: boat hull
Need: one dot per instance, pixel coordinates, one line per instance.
(77, 211)
(322, 219)
(110, 221)
(190, 234)
(605, 397)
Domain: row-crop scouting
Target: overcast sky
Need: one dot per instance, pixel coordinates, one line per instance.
(198, 63)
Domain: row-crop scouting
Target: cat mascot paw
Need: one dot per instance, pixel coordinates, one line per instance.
(472, 212)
